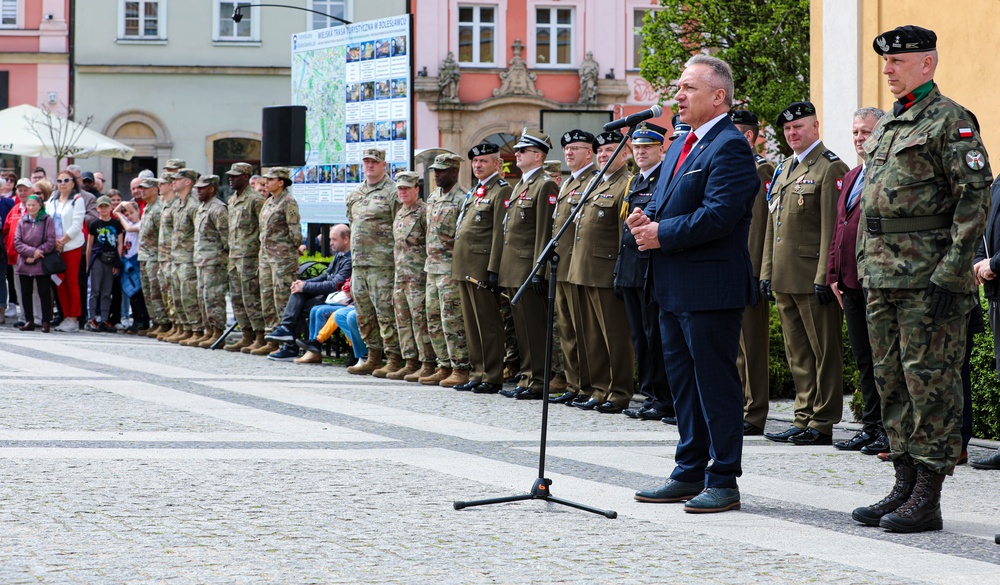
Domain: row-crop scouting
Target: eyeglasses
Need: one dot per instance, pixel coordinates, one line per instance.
(64, 180)
(577, 148)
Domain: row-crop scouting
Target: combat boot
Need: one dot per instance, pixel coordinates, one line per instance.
(267, 348)
(412, 365)
(152, 330)
(435, 378)
(368, 366)
(195, 338)
(182, 334)
(922, 511)
(166, 332)
(457, 378)
(246, 340)
(426, 369)
(394, 363)
(258, 342)
(906, 477)
(211, 335)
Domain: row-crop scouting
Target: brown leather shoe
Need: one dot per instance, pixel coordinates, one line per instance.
(435, 378)
(456, 378)
(309, 358)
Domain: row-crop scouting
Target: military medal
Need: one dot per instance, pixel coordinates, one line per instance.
(479, 217)
(522, 215)
(600, 212)
(801, 200)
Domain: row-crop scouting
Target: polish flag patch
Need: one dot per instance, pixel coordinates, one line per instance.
(965, 132)
(840, 184)
(552, 199)
(506, 203)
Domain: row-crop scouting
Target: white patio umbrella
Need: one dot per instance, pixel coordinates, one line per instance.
(28, 131)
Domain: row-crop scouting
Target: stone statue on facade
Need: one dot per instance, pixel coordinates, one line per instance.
(589, 70)
(517, 80)
(448, 77)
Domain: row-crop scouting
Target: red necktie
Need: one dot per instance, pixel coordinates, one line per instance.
(686, 149)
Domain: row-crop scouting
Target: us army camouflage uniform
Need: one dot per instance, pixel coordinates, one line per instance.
(370, 211)
(280, 238)
(211, 254)
(149, 265)
(925, 165)
(244, 262)
(166, 266)
(185, 277)
(409, 293)
(445, 323)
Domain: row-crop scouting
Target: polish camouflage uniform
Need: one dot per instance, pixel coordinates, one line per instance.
(445, 323)
(925, 203)
(149, 265)
(370, 211)
(185, 277)
(244, 252)
(164, 253)
(211, 252)
(280, 238)
(409, 293)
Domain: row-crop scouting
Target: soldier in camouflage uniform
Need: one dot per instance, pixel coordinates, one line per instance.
(149, 266)
(924, 207)
(409, 293)
(211, 259)
(244, 266)
(185, 277)
(163, 241)
(371, 207)
(280, 237)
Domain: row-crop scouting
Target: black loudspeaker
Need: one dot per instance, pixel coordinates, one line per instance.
(284, 137)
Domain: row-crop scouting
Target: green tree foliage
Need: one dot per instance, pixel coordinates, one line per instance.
(765, 42)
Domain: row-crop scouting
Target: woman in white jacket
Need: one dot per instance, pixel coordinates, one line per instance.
(68, 208)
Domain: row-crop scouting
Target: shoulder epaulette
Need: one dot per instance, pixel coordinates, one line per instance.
(594, 172)
(760, 159)
(829, 154)
(502, 183)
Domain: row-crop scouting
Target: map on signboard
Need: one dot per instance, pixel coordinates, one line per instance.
(317, 77)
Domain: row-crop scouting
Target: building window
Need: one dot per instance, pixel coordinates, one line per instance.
(143, 19)
(477, 27)
(226, 30)
(8, 13)
(226, 151)
(339, 8)
(637, 51)
(553, 36)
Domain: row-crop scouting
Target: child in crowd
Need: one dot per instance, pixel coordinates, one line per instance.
(127, 212)
(105, 241)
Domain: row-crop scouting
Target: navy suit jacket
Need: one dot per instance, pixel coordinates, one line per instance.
(704, 213)
(332, 278)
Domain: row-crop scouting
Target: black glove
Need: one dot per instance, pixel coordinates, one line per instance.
(619, 293)
(493, 281)
(538, 283)
(942, 301)
(824, 294)
(765, 290)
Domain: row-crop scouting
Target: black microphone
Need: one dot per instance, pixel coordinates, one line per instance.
(634, 119)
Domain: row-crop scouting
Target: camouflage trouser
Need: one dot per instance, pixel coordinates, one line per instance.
(408, 298)
(511, 357)
(445, 323)
(918, 373)
(149, 276)
(185, 289)
(244, 288)
(166, 279)
(371, 287)
(276, 278)
(212, 286)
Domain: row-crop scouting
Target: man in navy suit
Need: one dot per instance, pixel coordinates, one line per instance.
(697, 226)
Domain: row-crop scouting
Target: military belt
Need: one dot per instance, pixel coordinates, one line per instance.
(898, 225)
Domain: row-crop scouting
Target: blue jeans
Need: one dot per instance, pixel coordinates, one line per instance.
(318, 317)
(347, 319)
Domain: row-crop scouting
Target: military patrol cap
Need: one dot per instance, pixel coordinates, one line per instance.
(796, 111)
(646, 133)
(578, 136)
(744, 118)
(446, 161)
(407, 179)
(103, 200)
(376, 154)
(613, 137)
(552, 166)
(240, 168)
(175, 163)
(532, 138)
(483, 148)
(278, 173)
(166, 177)
(149, 183)
(207, 180)
(186, 173)
(905, 39)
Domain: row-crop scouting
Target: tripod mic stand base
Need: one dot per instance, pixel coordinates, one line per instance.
(539, 491)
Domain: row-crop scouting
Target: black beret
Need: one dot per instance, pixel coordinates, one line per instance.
(905, 39)
(577, 136)
(744, 118)
(794, 112)
(612, 137)
(481, 149)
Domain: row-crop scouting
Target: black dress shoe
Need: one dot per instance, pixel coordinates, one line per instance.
(653, 414)
(580, 399)
(633, 412)
(487, 388)
(784, 436)
(991, 461)
(563, 398)
(590, 404)
(529, 394)
(879, 445)
(513, 379)
(811, 437)
(860, 440)
(751, 430)
(609, 408)
(467, 386)
(511, 392)
(669, 420)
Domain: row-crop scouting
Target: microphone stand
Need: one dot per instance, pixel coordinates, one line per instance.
(540, 489)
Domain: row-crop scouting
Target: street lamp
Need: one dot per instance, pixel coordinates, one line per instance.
(238, 16)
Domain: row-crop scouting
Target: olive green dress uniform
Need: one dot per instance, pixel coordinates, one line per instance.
(569, 296)
(480, 219)
(149, 263)
(527, 228)
(370, 211)
(803, 211)
(927, 180)
(164, 253)
(409, 293)
(211, 259)
(280, 238)
(444, 303)
(755, 335)
(605, 326)
(244, 258)
(185, 277)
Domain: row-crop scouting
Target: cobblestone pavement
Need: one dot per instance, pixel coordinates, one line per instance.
(125, 460)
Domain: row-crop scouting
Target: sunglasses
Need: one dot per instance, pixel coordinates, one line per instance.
(64, 180)
(523, 150)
